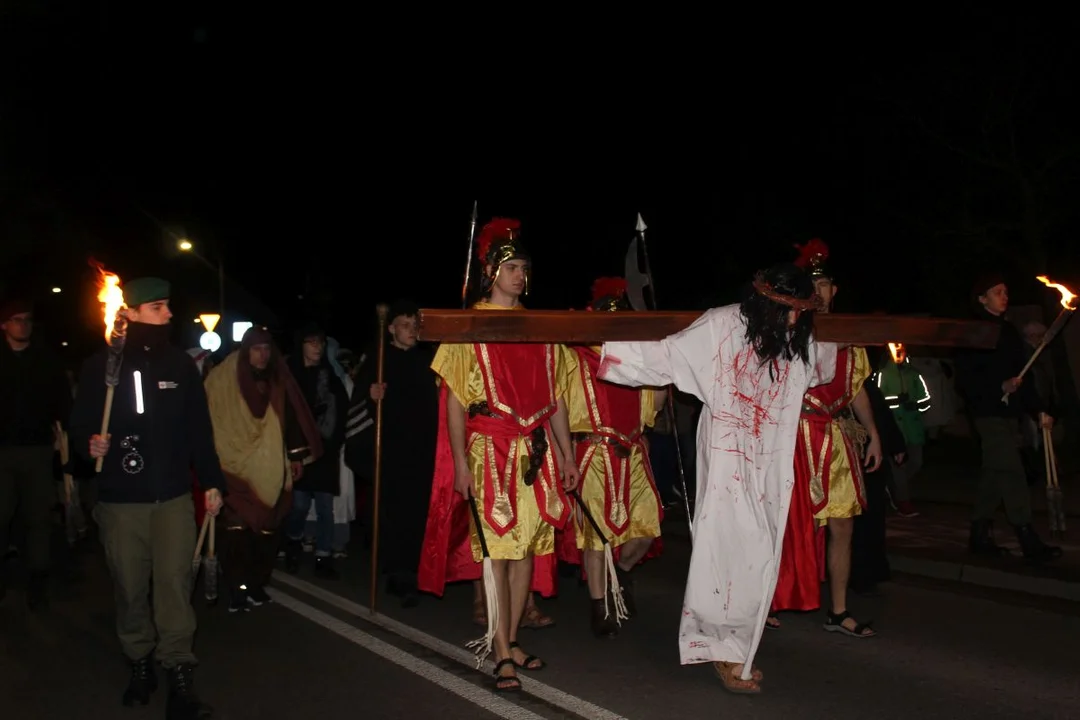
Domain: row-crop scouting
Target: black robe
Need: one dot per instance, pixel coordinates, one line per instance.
(410, 416)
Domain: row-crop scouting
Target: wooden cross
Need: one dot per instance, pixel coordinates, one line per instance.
(582, 327)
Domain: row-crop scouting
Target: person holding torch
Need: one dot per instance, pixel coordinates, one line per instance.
(157, 429)
(996, 396)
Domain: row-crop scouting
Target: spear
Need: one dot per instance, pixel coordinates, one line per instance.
(669, 406)
(468, 259)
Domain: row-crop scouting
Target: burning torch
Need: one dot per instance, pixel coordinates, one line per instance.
(111, 298)
(1067, 309)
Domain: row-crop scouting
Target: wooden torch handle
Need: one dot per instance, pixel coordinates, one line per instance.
(106, 416)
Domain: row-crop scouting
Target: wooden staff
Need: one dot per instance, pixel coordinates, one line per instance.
(1054, 329)
(382, 310)
(113, 362)
(65, 457)
(110, 390)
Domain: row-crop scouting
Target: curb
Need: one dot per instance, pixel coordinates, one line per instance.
(986, 577)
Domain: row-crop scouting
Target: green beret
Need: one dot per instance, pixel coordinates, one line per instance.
(145, 290)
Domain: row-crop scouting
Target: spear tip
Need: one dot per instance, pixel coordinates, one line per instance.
(641, 226)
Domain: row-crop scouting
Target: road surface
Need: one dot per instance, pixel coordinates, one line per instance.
(318, 652)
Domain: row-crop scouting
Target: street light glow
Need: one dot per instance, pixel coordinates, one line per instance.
(56, 290)
(185, 245)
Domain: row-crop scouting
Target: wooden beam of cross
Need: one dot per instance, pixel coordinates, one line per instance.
(582, 327)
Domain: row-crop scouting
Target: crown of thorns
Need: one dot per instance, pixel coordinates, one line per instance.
(766, 289)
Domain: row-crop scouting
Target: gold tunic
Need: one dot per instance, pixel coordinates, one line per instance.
(829, 444)
(619, 492)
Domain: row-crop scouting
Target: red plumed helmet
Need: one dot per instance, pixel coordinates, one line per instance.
(813, 257)
(612, 287)
(609, 293)
(496, 232)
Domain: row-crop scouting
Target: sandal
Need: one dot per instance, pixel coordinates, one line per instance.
(729, 676)
(772, 623)
(529, 659)
(479, 613)
(835, 623)
(533, 619)
(501, 680)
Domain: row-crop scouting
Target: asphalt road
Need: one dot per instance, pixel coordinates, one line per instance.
(318, 652)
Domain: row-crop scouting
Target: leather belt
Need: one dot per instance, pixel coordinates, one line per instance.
(621, 451)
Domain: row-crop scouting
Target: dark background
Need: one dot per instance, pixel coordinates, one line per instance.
(330, 158)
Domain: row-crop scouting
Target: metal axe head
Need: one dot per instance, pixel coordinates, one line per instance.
(636, 280)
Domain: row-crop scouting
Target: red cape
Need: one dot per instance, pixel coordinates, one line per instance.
(447, 554)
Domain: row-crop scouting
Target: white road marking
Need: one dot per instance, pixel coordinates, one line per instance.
(462, 688)
(552, 695)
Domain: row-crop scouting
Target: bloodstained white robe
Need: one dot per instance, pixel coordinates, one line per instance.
(745, 470)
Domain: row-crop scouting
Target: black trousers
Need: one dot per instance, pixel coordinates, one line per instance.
(247, 557)
(869, 560)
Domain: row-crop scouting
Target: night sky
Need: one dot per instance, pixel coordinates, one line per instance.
(332, 163)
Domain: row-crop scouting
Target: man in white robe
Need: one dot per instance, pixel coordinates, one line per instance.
(752, 384)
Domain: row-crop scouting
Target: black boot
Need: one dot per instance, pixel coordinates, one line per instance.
(143, 682)
(293, 550)
(982, 542)
(324, 567)
(603, 627)
(1034, 549)
(403, 585)
(37, 597)
(626, 584)
(183, 703)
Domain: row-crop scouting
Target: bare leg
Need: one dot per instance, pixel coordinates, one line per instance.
(533, 617)
(632, 551)
(504, 594)
(839, 561)
(840, 530)
(479, 604)
(520, 578)
(594, 569)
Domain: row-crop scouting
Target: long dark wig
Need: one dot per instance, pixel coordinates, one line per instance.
(767, 320)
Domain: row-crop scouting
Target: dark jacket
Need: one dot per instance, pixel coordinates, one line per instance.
(34, 394)
(329, 403)
(980, 373)
(892, 438)
(151, 454)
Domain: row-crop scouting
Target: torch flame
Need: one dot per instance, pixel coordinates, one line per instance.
(1067, 295)
(111, 298)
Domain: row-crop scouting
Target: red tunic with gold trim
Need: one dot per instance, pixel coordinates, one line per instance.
(828, 482)
(509, 392)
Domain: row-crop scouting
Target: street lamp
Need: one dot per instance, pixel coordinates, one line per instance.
(56, 290)
(185, 245)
